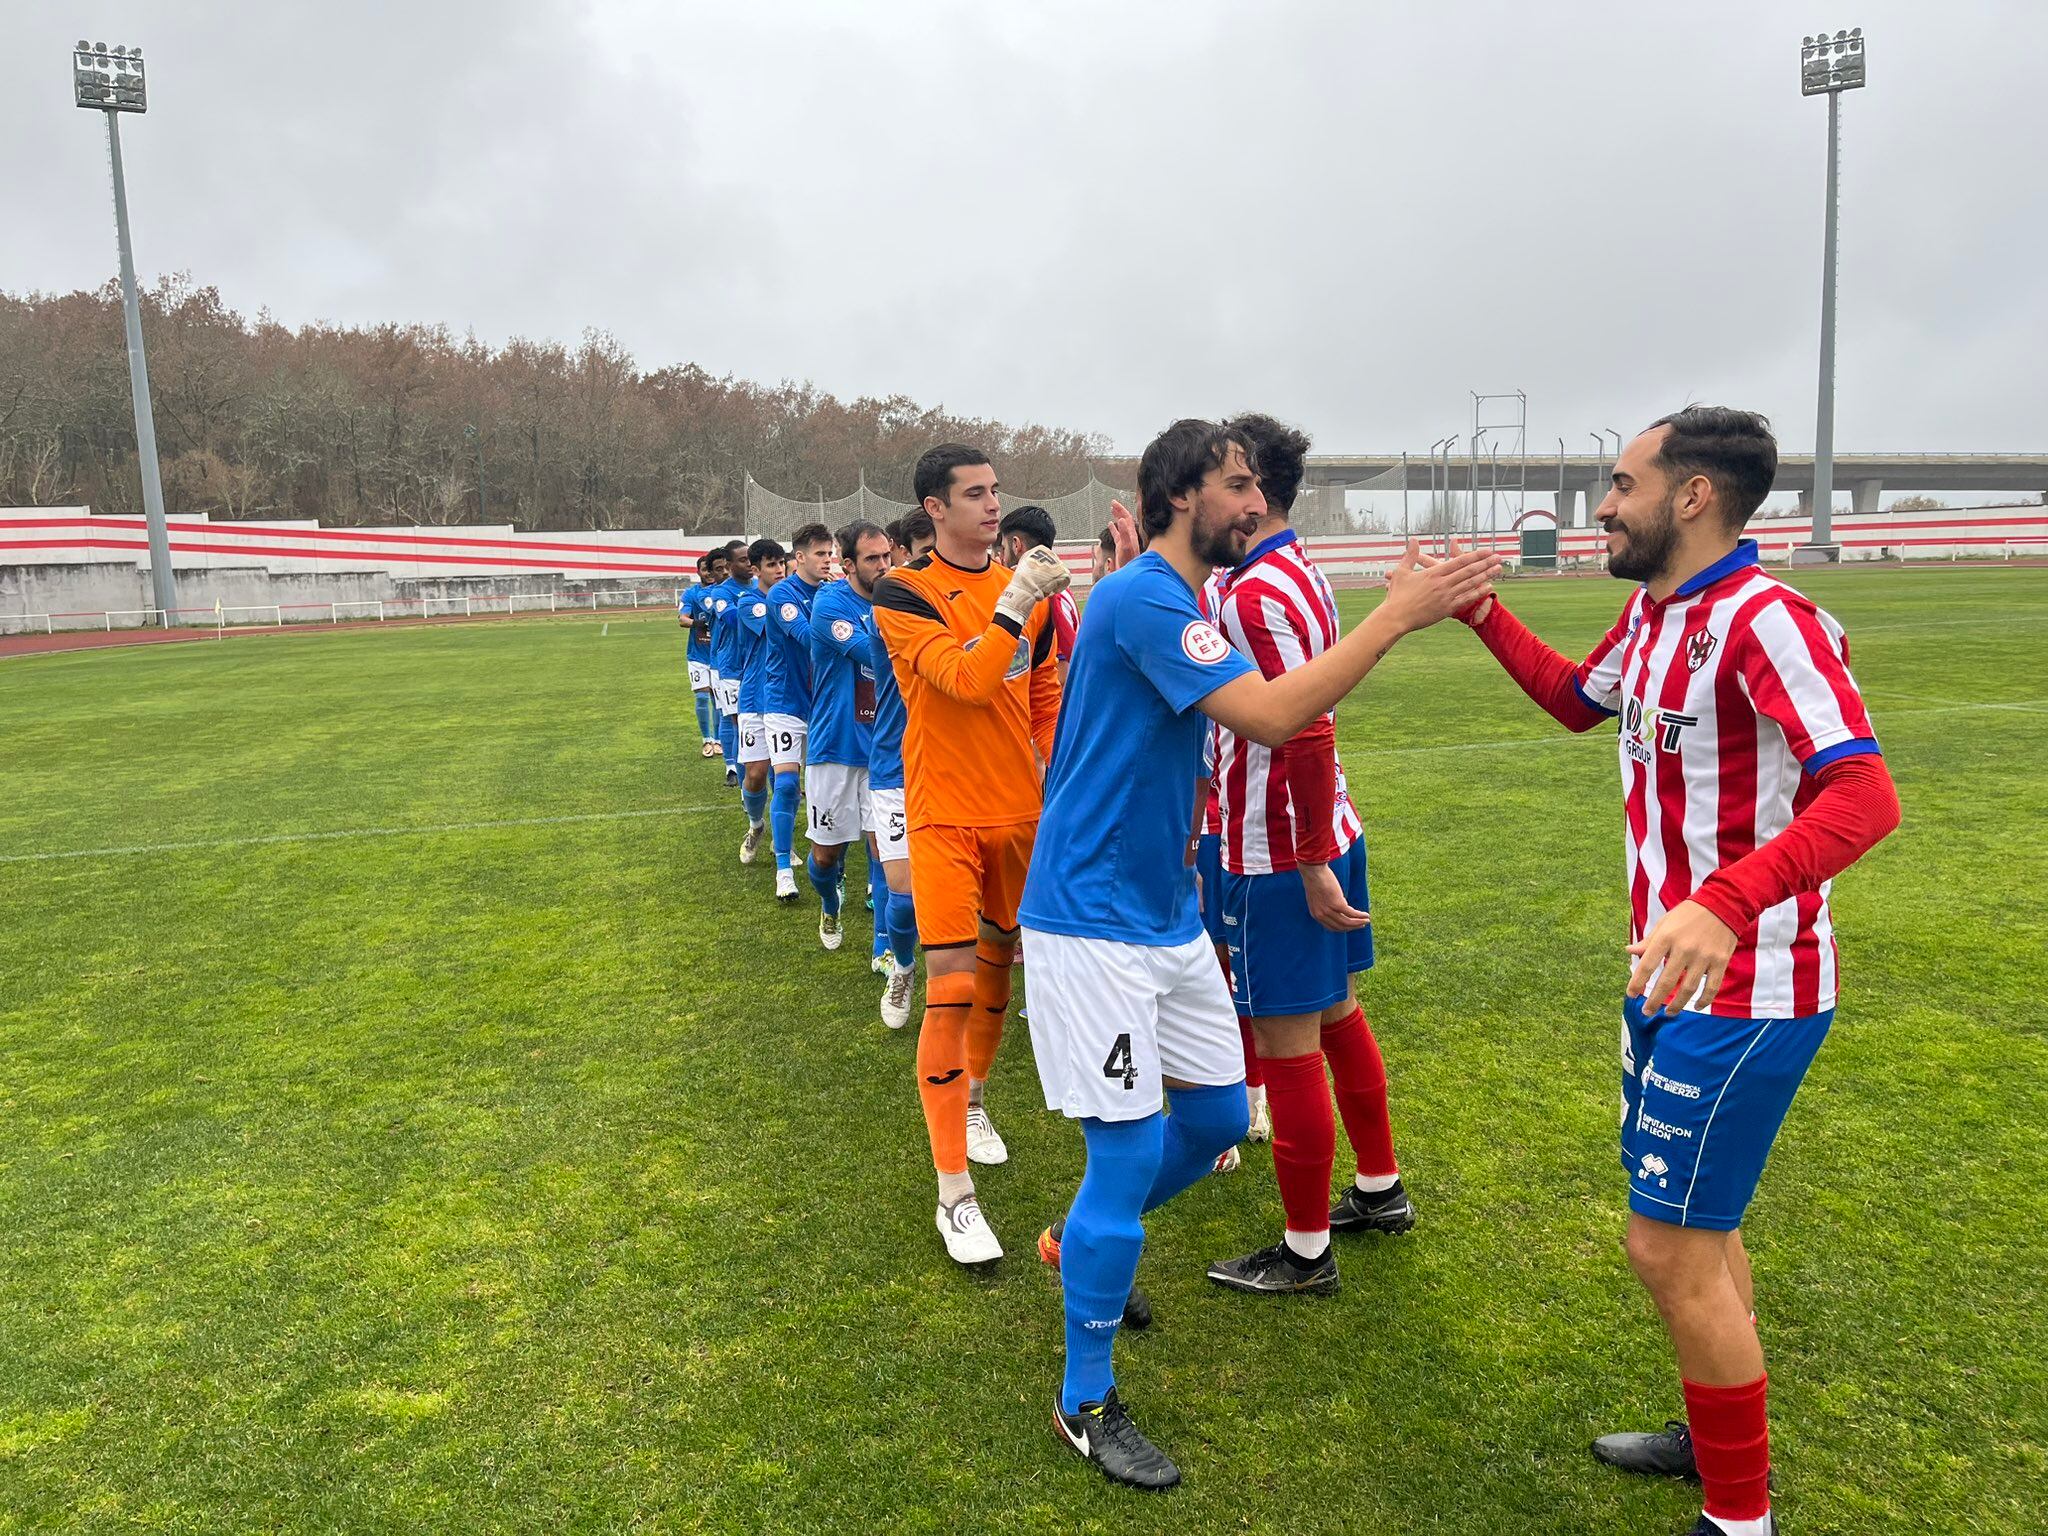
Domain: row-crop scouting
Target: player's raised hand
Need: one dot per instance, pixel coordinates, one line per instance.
(1473, 613)
(1424, 589)
(1682, 959)
(1327, 903)
(1123, 532)
(1038, 575)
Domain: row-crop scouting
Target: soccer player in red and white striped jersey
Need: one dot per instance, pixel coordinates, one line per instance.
(1295, 911)
(1750, 778)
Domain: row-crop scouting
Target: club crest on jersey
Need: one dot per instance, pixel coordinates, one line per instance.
(1202, 643)
(1020, 659)
(789, 613)
(842, 630)
(1698, 649)
(1646, 731)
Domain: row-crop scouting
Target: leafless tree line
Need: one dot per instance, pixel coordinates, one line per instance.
(412, 424)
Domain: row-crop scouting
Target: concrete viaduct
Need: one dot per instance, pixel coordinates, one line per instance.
(1865, 476)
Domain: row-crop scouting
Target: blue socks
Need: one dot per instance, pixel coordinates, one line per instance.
(707, 718)
(825, 882)
(783, 816)
(1203, 1123)
(1100, 1245)
(878, 898)
(902, 922)
(755, 800)
(729, 739)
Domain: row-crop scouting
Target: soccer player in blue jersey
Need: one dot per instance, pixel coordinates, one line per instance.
(723, 600)
(843, 723)
(788, 701)
(696, 621)
(895, 912)
(769, 562)
(1128, 1007)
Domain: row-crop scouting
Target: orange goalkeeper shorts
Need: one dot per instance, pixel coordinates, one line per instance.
(962, 875)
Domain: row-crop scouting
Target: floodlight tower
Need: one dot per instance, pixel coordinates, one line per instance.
(1828, 66)
(110, 80)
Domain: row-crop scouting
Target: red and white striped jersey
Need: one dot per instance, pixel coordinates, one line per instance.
(1733, 692)
(1278, 611)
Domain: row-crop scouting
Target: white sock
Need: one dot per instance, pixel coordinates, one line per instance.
(955, 1187)
(758, 822)
(1376, 1183)
(1257, 1096)
(1308, 1245)
(1761, 1526)
(974, 1087)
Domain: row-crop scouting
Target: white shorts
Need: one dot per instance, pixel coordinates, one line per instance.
(837, 794)
(728, 691)
(1110, 1021)
(786, 735)
(753, 739)
(889, 823)
(700, 676)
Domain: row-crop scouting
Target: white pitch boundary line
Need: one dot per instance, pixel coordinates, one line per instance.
(2028, 706)
(355, 832)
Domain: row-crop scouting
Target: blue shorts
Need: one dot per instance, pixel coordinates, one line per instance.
(1281, 959)
(1209, 866)
(1701, 1102)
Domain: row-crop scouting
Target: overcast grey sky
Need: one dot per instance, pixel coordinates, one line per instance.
(1102, 215)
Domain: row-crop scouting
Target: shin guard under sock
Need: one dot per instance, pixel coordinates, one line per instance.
(991, 1003)
(756, 802)
(826, 882)
(1304, 1138)
(782, 815)
(1203, 1123)
(1359, 1077)
(942, 1067)
(1099, 1249)
(1731, 1441)
(903, 928)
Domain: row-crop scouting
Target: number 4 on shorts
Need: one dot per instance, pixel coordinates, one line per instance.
(1120, 1064)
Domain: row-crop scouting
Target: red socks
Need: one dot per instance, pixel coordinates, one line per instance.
(1304, 1138)
(1731, 1440)
(1254, 1070)
(1360, 1078)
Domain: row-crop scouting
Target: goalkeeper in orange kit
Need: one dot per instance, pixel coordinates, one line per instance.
(972, 647)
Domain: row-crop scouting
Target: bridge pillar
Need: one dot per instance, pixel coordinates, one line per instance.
(1806, 503)
(1566, 507)
(1866, 496)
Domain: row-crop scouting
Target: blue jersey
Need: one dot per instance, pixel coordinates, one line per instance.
(842, 676)
(691, 610)
(723, 601)
(752, 651)
(885, 755)
(789, 647)
(1113, 856)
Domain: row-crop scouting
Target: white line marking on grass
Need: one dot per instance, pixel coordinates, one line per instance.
(354, 832)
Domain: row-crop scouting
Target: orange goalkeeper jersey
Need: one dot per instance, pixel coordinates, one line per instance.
(980, 696)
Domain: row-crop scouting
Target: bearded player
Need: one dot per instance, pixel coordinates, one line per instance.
(1129, 1009)
(972, 647)
(1750, 778)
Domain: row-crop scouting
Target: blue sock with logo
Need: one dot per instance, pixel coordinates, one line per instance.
(755, 800)
(707, 720)
(729, 739)
(826, 882)
(878, 900)
(1202, 1123)
(783, 816)
(1099, 1248)
(903, 928)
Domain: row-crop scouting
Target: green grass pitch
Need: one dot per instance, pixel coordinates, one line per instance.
(547, 1177)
